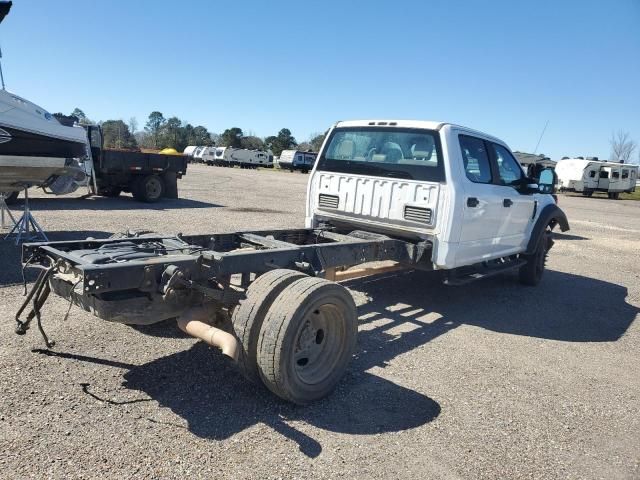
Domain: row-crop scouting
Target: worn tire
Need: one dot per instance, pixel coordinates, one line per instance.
(149, 188)
(11, 198)
(531, 273)
(248, 316)
(307, 340)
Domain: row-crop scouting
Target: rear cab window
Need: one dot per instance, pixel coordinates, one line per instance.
(393, 152)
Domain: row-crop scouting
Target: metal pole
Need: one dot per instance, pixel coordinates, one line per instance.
(1, 74)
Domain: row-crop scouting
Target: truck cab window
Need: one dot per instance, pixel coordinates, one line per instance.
(625, 173)
(508, 168)
(475, 159)
(592, 173)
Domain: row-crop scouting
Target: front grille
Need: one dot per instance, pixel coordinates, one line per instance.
(328, 201)
(417, 214)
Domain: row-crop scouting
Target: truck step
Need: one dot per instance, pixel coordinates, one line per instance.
(464, 275)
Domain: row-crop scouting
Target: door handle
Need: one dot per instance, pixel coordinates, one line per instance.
(472, 202)
(507, 202)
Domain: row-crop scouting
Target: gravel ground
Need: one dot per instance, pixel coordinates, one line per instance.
(492, 380)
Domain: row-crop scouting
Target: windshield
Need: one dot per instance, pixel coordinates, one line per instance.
(413, 154)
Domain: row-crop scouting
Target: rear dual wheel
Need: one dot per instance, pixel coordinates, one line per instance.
(298, 334)
(149, 188)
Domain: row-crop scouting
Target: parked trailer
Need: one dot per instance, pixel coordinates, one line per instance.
(189, 151)
(589, 176)
(231, 157)
(249, 158)
(197, 154)
(297, 160)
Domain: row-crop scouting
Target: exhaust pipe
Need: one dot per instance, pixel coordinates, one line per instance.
(191, 323)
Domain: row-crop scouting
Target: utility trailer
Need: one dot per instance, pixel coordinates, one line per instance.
(381, 191)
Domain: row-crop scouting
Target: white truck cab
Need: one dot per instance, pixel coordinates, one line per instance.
(460, 189)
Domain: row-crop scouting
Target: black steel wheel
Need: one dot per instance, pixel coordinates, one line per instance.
(248, 316)
(307, 340)
(531, 273)
(148, 189)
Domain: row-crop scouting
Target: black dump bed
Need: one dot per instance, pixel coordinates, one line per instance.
(116, 161)
(139, 173)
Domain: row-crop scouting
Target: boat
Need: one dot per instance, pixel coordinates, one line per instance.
(35, 148)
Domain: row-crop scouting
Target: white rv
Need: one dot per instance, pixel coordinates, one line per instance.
(588, 176)
(208, 155)
(230, 157)
(250, 158)
(297, 160)
(197, 154)
(188, 151)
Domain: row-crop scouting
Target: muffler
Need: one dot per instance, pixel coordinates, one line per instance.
(191, 322)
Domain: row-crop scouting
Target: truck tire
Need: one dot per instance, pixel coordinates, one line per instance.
(11, 198)
(149, 188)
(613, 195)
(531, 272)
(248, 316)
(307, 340)
(587, 193)
(110, 192)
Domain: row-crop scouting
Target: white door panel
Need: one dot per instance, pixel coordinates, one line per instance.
(515, 220)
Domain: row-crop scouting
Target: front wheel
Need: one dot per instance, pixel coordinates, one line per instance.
(531, 272)
(307, 340)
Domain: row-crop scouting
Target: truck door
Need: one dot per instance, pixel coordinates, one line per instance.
(482, 207)
(518, 205)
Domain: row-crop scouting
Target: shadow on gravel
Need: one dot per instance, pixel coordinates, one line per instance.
(10, 254)
(568, 236)
(563, 307)
(403, 312)
(105, 203)
(203, 387)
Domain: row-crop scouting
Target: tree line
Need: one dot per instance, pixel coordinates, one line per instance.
(160, 132)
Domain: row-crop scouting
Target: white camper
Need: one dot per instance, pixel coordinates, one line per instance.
(250, 158)
(197, 154)
(188, 151)
(221, 156)
(297, 160)
(209, 155)
(588, 176)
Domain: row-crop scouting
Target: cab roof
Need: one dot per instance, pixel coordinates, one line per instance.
(424, 124)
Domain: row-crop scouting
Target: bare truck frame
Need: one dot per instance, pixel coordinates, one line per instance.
(286, 325)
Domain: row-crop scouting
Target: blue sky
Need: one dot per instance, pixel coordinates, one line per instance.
(504, 67)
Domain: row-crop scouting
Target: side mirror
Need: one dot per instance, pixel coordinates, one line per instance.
(547, 181)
